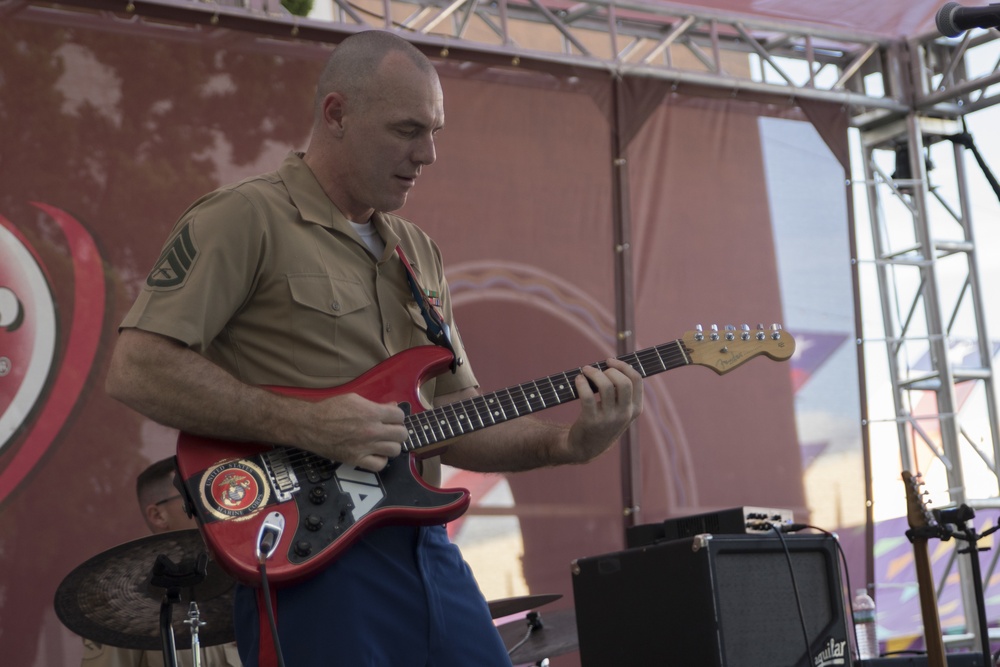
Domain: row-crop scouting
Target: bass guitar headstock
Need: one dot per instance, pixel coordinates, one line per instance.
(722, 351)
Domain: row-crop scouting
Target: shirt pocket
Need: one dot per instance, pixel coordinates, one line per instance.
(329, 324)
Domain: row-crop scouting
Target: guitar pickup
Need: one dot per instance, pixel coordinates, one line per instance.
(284, 481)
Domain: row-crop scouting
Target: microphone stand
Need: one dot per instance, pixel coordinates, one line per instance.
(958, 517)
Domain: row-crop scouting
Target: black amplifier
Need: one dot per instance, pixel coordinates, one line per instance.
(954, 660)
(714, 601)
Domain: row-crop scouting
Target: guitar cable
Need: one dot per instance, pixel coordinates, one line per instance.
(267, 541)
(534, 622)
(795, 527)
(795, 587)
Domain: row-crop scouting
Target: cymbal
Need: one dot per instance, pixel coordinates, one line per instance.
(556, 637)
(507, 606)
(109, 598)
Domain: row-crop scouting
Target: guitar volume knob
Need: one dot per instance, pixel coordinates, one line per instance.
(313, 522)
(318, 495)
(303, 548)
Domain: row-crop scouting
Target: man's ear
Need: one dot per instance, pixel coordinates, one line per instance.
(333, 113)
(154, 518)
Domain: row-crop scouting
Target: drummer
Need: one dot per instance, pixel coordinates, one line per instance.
(162, 509)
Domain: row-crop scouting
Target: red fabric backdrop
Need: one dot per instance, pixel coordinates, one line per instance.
(122, 126)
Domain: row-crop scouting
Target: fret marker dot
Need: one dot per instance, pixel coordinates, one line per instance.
(496, 412)
(531, 395)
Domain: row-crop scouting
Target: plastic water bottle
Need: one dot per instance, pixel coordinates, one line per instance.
(864, 624)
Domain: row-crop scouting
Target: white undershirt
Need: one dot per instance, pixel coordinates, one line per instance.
(371, 238)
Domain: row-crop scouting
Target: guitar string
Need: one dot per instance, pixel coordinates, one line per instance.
(508, 403)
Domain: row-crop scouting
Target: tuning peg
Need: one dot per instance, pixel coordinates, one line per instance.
(699, 334)
(776, 331)
(730, 332)
(760, 332)
(745, 335)
(715, 332)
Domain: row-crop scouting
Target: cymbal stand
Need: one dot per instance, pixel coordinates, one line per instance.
(173, 577)
(194, 621)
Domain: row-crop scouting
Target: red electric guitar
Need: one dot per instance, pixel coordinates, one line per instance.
(306, 509)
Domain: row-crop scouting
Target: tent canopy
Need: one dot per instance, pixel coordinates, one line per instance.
(887, 18)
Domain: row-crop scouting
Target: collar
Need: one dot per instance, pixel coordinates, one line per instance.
(315, 207)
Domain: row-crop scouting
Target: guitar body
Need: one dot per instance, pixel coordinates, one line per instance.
(325, 506)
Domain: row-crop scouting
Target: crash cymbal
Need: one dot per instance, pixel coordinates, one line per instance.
(109, 599)
(507, 606)
(556, 636)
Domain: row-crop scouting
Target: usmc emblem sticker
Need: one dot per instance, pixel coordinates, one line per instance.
(234, 490)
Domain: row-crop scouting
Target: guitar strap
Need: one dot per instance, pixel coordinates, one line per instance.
(267, 654)
(438, 331)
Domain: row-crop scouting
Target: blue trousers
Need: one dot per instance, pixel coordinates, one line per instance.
(400, 597)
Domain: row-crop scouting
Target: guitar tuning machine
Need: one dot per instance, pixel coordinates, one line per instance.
(730, 332)
(760, 332)
(776, 332)
(715, 333)
(745, 332)
(699, 334)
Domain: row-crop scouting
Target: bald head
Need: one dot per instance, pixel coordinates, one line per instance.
(379, 105)
(353, 65)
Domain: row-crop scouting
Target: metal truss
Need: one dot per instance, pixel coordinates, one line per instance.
(940, 356)
(953, 77)
(684, 45)
(870, 74)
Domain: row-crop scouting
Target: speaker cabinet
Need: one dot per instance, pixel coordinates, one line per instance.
(953, 660)
(714, 601)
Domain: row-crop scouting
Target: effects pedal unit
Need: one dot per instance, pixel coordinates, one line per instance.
(734, 521)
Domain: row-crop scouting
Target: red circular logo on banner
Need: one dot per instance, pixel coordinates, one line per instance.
(27, 334)
(36, 396)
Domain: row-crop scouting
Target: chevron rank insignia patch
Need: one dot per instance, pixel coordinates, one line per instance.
(172, 267)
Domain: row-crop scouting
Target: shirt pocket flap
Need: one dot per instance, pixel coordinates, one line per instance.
(333, 296)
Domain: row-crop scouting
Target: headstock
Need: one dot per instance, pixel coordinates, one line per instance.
(724, 351)
(918, 515)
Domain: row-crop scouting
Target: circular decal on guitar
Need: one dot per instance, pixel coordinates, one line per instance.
(234, 490)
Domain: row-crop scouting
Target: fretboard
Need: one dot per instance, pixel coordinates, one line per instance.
(443, 423)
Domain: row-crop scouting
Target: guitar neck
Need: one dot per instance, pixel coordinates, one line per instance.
(922, 522)
(928, 605)
(439, 424)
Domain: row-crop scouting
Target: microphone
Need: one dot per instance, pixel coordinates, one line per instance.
(953, 19)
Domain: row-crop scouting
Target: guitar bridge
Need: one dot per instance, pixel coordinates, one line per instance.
(284, 481)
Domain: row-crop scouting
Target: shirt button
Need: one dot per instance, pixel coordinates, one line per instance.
(388, 328)
(335, 305)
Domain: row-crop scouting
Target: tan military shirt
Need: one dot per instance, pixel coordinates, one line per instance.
(268, 279)
(100, 655)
